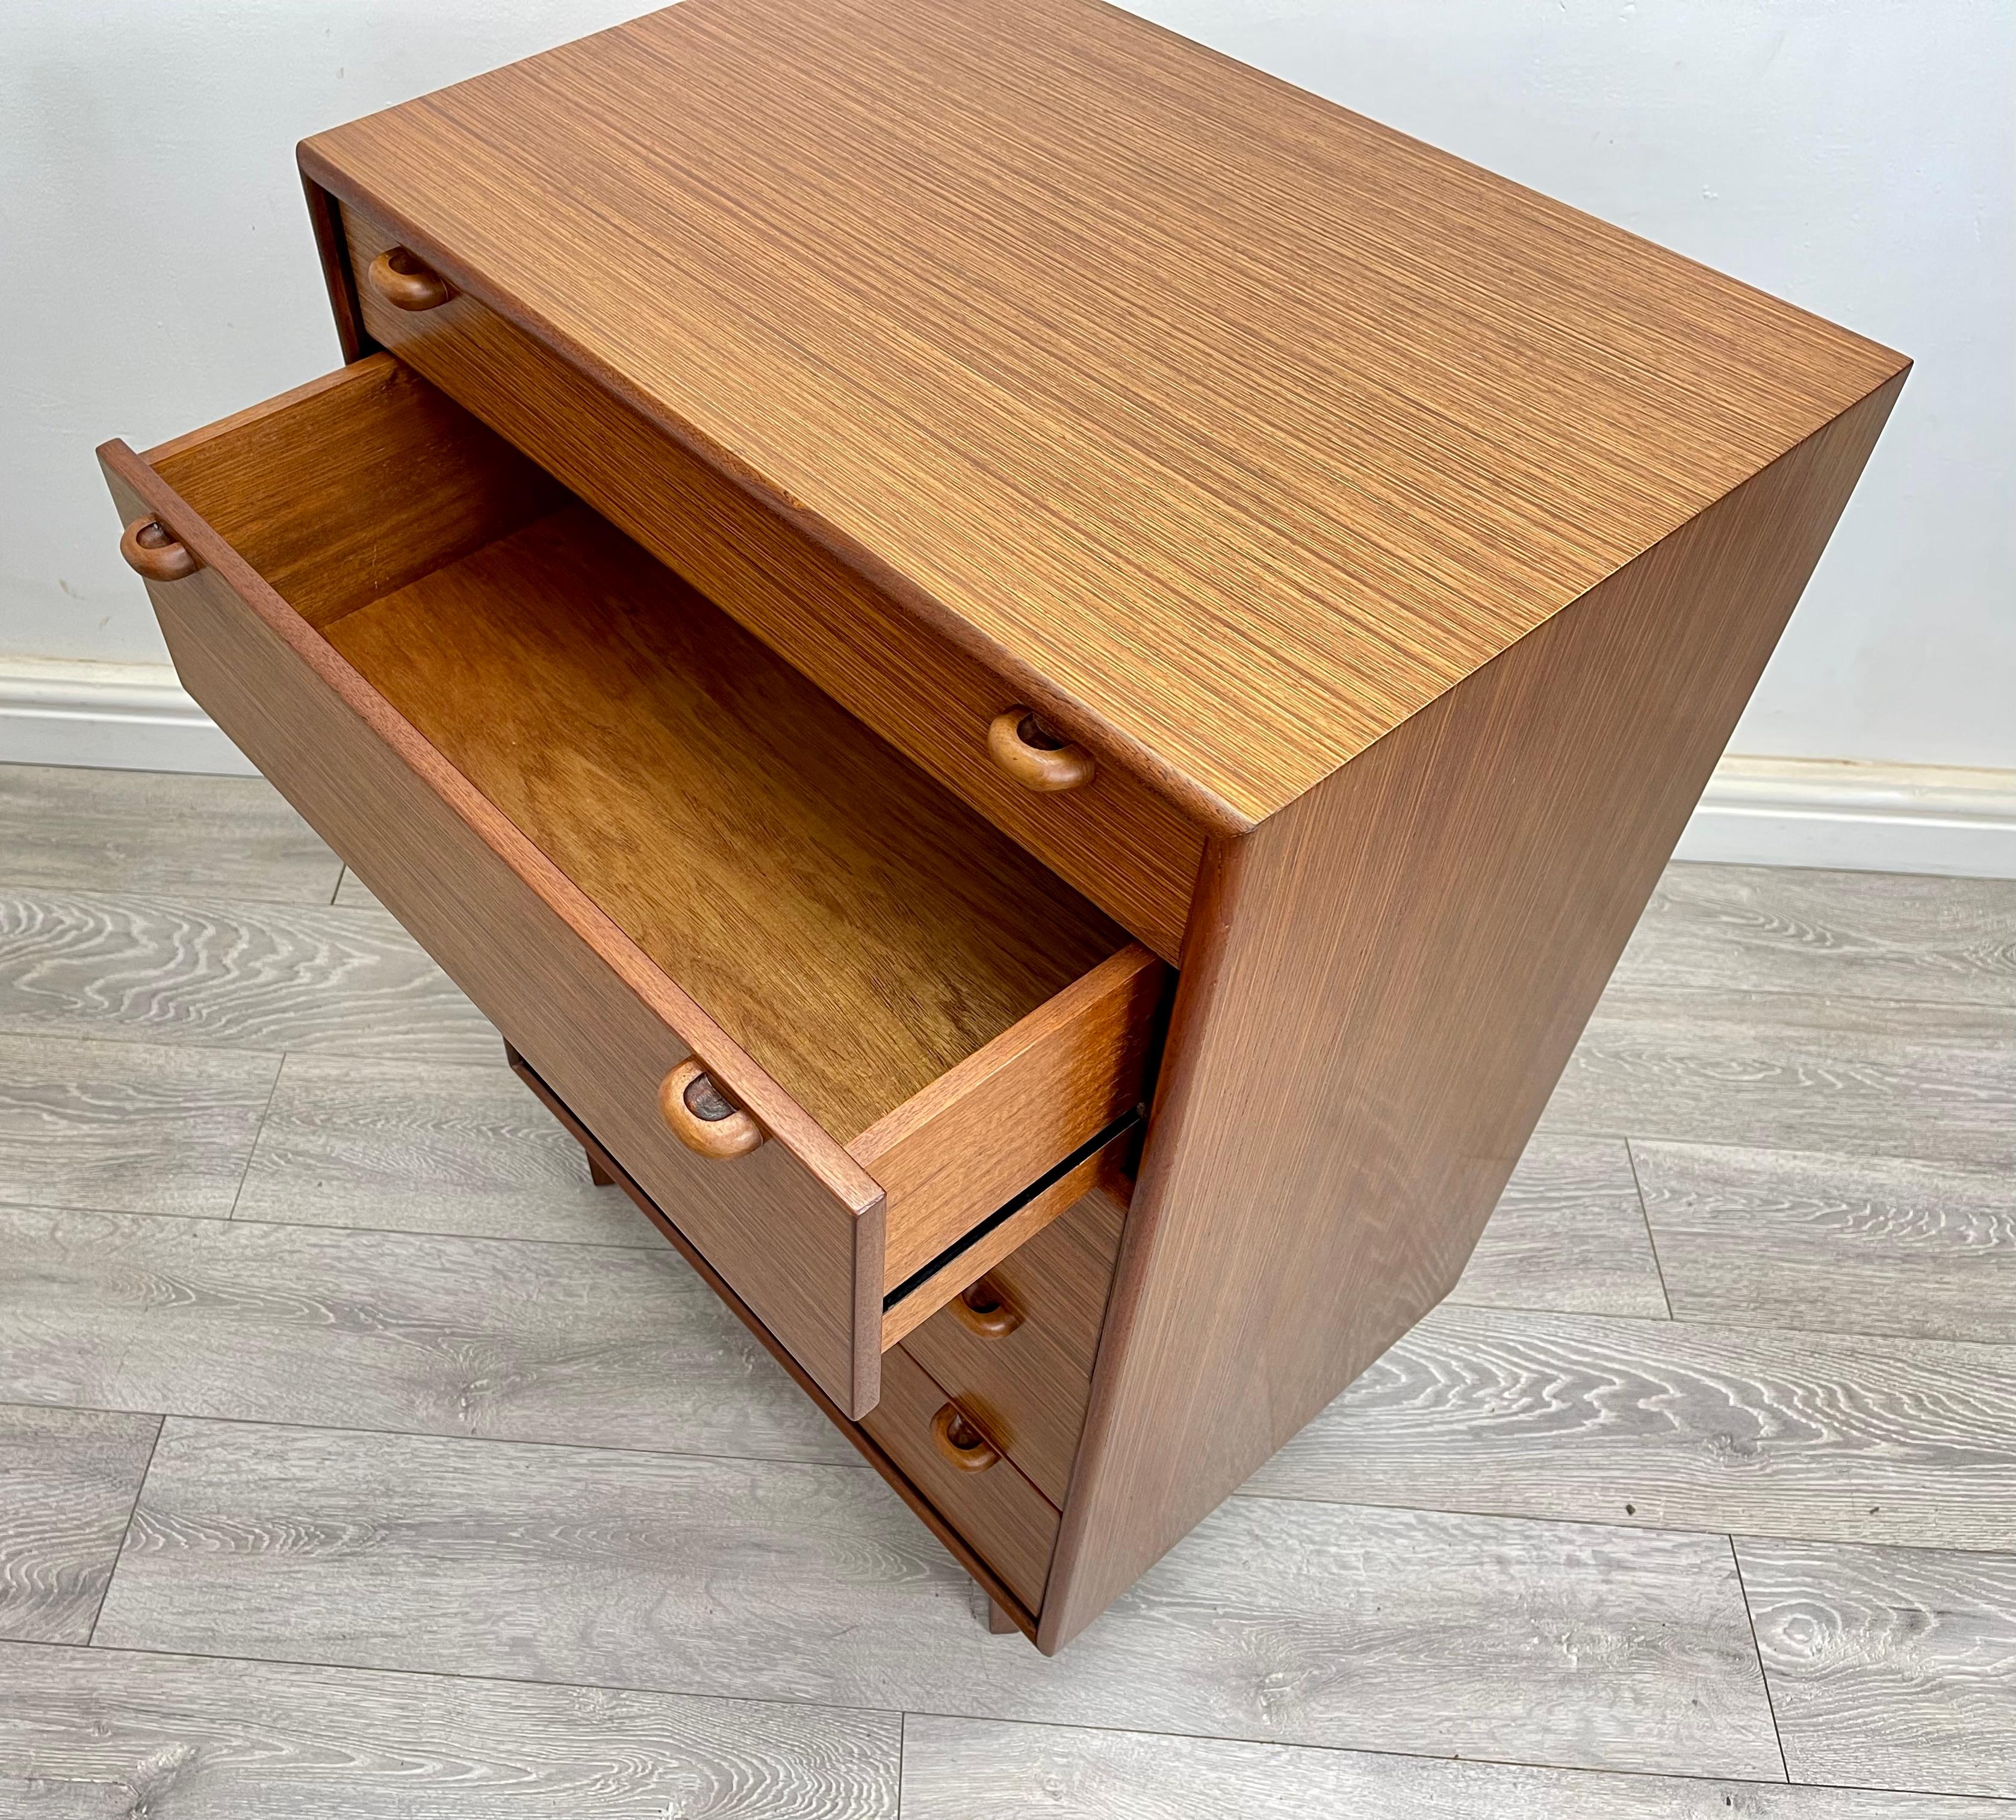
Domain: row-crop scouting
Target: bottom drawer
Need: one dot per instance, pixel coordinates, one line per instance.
(1016, 1349)
(1007, 1520)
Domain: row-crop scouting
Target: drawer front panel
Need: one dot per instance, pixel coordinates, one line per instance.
(1028, 1387)
(984, 1131)
(460, 878)
(1004, 1519)
(1114, 839)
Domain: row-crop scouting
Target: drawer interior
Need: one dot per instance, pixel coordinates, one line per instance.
(848, 919)
(850, 923)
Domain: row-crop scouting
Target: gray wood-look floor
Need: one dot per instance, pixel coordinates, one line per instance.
(357, 1458)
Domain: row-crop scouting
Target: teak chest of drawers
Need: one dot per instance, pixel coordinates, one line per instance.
(1036, 677)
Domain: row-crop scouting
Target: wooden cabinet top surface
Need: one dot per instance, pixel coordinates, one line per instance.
(1250, 425)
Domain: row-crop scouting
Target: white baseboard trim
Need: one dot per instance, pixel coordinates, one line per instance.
(1856, 817)
(1756, 812)
(110, 716)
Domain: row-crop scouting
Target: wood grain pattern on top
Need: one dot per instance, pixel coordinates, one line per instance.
(1249, 425)
(858, 930)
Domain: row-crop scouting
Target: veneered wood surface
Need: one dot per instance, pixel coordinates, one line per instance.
(796, 1227)
(1104, 1174)
(353, 485)
(368, 479)
(1398, 969)
(1028, 1388)
(972, 1140)
(1003, 1517)
(1116, 839)
(855, 928)
(1235, 426)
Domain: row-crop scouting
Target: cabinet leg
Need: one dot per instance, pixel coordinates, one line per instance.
(597, 1174)
(1000, 1623)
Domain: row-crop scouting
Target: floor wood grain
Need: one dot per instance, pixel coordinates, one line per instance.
(1568, 1644)
(124, 1126)
(66, 829)
(168, 971)
(1665, 1423)
(171, 1738)
(426, 1147)
(1863, 935)
(976, 1769)
(68, 1478)
(435, 1403)
(1786, 1070)
(1889, 1665)
(1568, 1234)
(603, 1345)
(1858, 1244)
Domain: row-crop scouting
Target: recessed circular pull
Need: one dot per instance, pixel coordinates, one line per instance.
(1035, 757)
(153, 550)
(984, 1310)
(406, 282)
(961, 1443)
(703, 1118)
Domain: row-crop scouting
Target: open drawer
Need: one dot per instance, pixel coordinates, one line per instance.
(854, 1040)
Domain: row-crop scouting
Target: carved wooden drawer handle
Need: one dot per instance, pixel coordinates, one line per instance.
(1034, 756)
(151, 549)
(702, 1118)
(961, 1443)
(986, 1311)
(404, 282)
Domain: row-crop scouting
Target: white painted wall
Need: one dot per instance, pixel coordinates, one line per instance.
(1852, 155)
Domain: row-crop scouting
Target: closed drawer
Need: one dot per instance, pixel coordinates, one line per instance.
(1004, 1518)
(1114, 839)
(829, 1017)
(1016, 1349)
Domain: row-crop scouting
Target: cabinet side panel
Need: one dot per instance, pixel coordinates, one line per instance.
(1384, 982)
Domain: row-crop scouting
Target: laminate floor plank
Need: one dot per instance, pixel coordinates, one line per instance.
(426, 1147)
(1784, 1070)
(981, 1769)
(1859, 1244)
(128, 1127)
(1863, 935)
(597, 1344)
(174, 1738)
(68, 1478)
(1893, 1665)
(74, 829)
(1568, 1234)
(1571, 1644)
(1664, 1423)
(141, 970)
